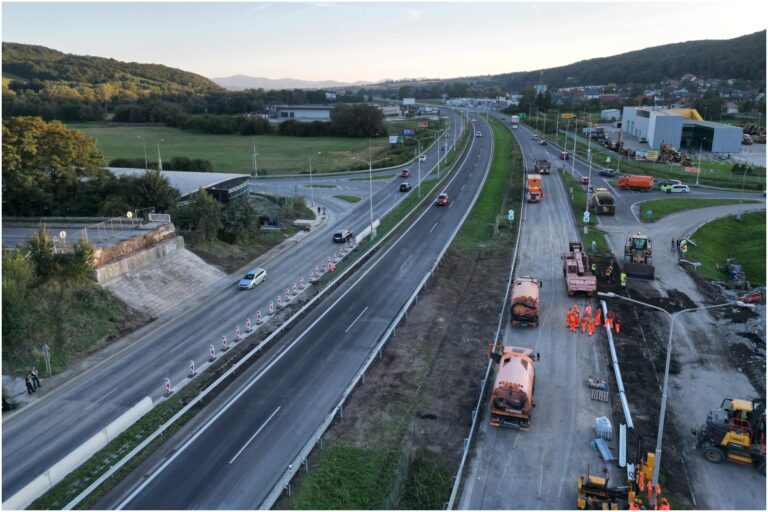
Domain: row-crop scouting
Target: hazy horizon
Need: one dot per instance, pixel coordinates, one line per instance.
(368, 42)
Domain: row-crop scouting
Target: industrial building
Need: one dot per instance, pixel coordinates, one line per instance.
(682, 128)
(301, 112)
(610, 115)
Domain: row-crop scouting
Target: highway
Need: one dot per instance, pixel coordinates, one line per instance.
(40, 434)
(235, 458)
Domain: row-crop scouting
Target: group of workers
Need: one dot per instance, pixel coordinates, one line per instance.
(588, 321)
(608, 273)
(660, 503)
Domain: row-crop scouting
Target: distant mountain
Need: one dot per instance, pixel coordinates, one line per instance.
(239, 82)
(29, 62)
(740, 58)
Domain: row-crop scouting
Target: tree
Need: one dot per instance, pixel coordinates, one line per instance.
(358, 121)
(200, 217)
(152, 189)
(40, 249)
(240, 220)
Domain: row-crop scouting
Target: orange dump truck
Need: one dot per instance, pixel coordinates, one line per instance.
(533, 189)
(512, 398)
(635, 182)
(577, 272)
(524, 303)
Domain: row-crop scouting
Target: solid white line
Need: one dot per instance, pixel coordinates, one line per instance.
(254, 435)
(462, 187)
(433, 227)
(356, 319)
(450, 204)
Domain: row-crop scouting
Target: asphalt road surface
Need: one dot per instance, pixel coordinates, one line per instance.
(538, 469)
(45, 431)
(237, 457)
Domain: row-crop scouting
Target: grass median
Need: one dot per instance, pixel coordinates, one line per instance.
(578, 198)
(349, 199)
(726, 238)
(660, 208)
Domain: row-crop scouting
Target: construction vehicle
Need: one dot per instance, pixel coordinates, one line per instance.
(576, 271)
(533, 189)
(514, 120)
(524, 304)
(512, 397)
(594, 494)
(635, 182)
(737, 278)
(602, 201)
(637, 257)
(734, 432)
(542, 166)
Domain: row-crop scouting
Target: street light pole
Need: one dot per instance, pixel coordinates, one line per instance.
(255, 154)
(701, 146)
(672, 317)
(159, 159)
(741, 197)
(146, 161)
(573, 160)
(370, 178)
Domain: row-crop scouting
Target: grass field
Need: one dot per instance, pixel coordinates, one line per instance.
(349, 199)
(728, 238)
(233, 153)
(377, 177)
(660, 208)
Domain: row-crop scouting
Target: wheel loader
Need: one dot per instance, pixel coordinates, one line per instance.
(637, 257)
(734, 432)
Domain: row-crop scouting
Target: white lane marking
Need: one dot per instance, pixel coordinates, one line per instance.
(406, 261)
(462, 187)
(433, 227)
(356, 319)
(254, 435)
(450, 204)
(105, 396)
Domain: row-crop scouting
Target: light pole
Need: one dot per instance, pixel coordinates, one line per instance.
(573, 160)
(701, 146)
(672, 317)
(557, 125)
(146, 162)
(311, 185)
(159, 159)
(741, 198)
(255, 154)
(418, 184)
(618, 160)
(370, 179)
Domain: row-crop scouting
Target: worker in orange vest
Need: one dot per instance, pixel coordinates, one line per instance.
(649, 488)
(584, 320)
(568, 315)
(664, 505)
(575, 320)
(617, 321)
(588, 310)
(591, 325)
(598, 317)
(609, 319)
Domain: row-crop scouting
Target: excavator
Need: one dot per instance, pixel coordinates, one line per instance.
(734, 432)
(637, 257)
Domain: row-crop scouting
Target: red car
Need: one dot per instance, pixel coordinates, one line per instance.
(405, 173)
(585, 180)
(442, 199)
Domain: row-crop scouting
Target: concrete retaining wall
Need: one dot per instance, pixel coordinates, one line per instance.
(137, 260)
(65, 466)
(134, 244)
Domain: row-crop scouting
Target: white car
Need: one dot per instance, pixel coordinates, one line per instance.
(680, 188)
(423, 158)
(478, 134)
(252, 278)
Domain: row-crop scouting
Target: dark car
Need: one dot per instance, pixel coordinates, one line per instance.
(342, 236)
(607, 172)
(442, 199)
(405, 187)
(405, 173)
(584, 180)
(543, 142)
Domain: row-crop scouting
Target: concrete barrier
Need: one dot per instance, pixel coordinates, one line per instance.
(72, 461)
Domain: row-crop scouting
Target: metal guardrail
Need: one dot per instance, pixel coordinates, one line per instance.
(284, 482)
(256, 350)
(476, 412)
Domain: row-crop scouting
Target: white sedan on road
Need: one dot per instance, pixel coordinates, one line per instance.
(679, 188)
(252, 278)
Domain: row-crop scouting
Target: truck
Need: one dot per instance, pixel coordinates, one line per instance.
(577, 272)
(635, 182)
(512, 397)
(533, 190)
(542, 166)
(524, 303)
(602, 201)
(514, 120)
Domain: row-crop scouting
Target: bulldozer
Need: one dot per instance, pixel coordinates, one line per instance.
(637, 257)
(734, 432)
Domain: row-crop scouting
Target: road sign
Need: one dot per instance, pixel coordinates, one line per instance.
(511, 215)
(586, 217)
(567, 116)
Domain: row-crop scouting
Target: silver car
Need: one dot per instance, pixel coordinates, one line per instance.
(252, 278)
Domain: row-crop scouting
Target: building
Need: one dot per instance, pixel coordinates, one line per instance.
(610, 115)
(682, 128)
(224, 191)
(301, 112)
(390, 111)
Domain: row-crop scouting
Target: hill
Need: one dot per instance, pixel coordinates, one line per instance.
(240, 82)
(30, 62)
(740, 58)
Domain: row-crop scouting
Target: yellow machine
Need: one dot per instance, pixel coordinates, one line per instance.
(734, 432)
(637, 257)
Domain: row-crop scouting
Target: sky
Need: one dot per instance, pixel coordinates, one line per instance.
(370, 41)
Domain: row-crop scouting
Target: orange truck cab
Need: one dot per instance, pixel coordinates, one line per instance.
(533, 188)
(635, 182)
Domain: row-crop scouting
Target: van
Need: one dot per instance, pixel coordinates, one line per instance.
(342, 236)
